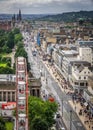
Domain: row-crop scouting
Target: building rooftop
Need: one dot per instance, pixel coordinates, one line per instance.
(79, 62)
(69, 52)
(34, 82)
(71, 59)
(7, 85)
(85, 43)
(12, 85)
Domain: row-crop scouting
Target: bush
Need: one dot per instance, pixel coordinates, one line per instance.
(6, 70)
(9, 64)
(9, 126)
(5, 60)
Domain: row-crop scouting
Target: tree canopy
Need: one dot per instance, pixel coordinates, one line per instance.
(2, 124)
(6, 70)
(8, 40)
(16, 31)
(18, 37)
(20, 50)
(39, 124)
(41, 113)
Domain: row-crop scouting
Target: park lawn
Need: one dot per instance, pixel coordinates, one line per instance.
(3, 64)
(6, 55)
(9, 126)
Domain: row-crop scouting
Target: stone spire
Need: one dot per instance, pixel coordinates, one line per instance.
(19, 17)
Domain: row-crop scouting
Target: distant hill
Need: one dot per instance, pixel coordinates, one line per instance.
(24, 16)
(32, 16)
(68, 17)
(5, 16)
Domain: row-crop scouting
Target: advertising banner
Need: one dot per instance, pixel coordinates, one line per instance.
(8, 106)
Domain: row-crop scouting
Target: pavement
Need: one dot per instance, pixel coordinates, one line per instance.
(76, 106)
(64, 87)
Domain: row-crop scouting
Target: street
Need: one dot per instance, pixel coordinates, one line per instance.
(50, 85)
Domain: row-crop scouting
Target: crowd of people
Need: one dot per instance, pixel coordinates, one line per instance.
(76, 99)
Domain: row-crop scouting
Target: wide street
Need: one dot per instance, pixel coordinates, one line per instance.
(50, 86)
(37, 67)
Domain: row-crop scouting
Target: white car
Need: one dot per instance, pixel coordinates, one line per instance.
(62, 128)
(53, 128)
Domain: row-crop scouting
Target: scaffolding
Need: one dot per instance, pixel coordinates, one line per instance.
(21, 94)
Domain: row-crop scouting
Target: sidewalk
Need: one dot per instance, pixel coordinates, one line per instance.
(76, 106)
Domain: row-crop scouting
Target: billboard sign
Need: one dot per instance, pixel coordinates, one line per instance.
(8, 106)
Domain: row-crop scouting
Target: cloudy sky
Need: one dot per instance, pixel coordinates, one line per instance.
(44, 6)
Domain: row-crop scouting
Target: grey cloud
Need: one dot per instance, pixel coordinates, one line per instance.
(47, 6)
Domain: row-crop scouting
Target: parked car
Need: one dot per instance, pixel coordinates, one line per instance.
(57, 115)
(62, 128)
(53, 128)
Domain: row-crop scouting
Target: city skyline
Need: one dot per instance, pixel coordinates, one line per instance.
(45, 6)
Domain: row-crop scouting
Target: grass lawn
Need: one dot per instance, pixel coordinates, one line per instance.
(3, 64)
(6, 55)
(9, 126)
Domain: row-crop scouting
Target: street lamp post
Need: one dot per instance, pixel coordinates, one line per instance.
(62, 107)
(0, 111)
(70, 119)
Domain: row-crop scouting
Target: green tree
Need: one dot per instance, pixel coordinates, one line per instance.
(6, 49)
(2, 124)
(18, 37)
(39, 124)
(81, 21)
(3, 40)
(92, 21)
(10, 41)
(5, 59)
(9, 64)
(21, 52)
(44, 110)
(2, 32)
(16, 31)
(6, 70)
(19, 45)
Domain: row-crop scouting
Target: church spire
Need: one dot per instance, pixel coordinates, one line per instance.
(19, 17)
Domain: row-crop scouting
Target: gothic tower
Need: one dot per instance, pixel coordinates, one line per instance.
(19, 16)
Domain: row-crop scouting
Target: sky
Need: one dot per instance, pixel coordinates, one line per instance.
(44, 6)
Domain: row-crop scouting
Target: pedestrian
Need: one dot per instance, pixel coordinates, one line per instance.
(75, 107)
(73, 99)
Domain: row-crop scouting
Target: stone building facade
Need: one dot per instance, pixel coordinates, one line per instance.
(8, 89)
